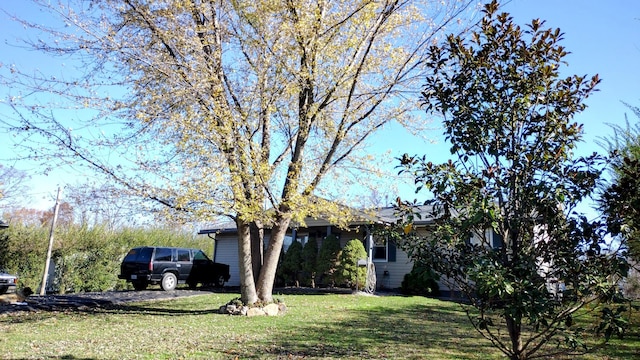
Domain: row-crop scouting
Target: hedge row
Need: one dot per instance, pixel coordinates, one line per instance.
(85, 259)
(329, 265)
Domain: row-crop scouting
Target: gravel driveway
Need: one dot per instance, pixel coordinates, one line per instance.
(107, 299)
(88, 301)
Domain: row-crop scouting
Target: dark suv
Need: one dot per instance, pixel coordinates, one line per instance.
(169, 266)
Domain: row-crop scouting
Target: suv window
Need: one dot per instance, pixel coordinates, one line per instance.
(199, 255)
(163, 254)
(183, 255)
(138, 255)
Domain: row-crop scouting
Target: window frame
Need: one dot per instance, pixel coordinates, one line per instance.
(385, 246)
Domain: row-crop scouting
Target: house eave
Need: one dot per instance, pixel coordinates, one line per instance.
(218, 231)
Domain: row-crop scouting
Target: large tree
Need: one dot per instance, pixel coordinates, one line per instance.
(227, 107)
(13, 188)
(620, 200)
(506, 231)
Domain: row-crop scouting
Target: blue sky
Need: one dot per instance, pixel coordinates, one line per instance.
(602, 36)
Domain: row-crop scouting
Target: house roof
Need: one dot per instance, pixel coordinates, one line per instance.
(386, 215)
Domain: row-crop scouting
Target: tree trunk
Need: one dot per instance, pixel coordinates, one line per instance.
(248, 293)
(268, 271)
(514, 326)
(257, 248)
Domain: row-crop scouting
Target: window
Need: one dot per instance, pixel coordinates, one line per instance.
(163, 254)
(384, 251)
(380, 252)
(139, 255)
(199, 255)
(183, 255)
(498, 242)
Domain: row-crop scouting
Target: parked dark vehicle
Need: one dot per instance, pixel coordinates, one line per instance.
(7, 281)
(170, 266)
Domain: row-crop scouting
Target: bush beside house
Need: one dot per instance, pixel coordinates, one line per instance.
(291, 265)
(309, 263)
(328, 261)
(422, 280)
(349, 273)
(335, 266)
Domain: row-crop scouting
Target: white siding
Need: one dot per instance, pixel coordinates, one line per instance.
(395, 271)
(227, 253)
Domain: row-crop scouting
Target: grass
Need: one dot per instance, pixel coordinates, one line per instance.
(315, 327)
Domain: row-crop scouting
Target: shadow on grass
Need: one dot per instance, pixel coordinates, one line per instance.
(410, 332)
(147, 310)
(439, 330)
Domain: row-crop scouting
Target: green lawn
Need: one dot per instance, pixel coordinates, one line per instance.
(315, 327)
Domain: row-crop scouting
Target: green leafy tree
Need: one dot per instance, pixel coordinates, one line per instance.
(506, 231)
(328, 260)
(620, 200)
(213, 109)
(309, 262)
(349, 273)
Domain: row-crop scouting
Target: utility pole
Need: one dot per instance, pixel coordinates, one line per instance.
(43, 285)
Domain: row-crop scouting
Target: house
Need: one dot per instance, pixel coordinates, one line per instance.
(391, 263)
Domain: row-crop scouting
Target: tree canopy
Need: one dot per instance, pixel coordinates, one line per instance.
(213, 107)
(620, 200)
(505, 228)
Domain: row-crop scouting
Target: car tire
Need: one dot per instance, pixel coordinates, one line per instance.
(140, 285)
(220, 280)
(169, 282)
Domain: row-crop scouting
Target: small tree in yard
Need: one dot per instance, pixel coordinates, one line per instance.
(349, 273)
(291, 264)
(309, 262)
(328, 260)
(514, 183)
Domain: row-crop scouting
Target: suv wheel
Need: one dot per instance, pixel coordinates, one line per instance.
(169, 281)
(220, 281)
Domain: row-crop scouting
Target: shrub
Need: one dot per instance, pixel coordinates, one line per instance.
(24, 250)
(422, 280)
(328, 260)
(309, 262)
(292, 264)
(84, 259)
(349, 273)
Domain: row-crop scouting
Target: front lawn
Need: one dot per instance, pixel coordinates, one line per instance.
(315, 327)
